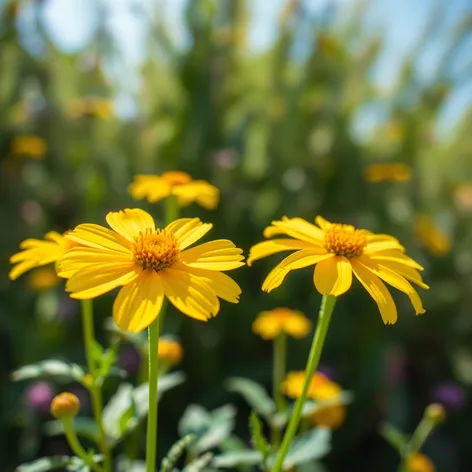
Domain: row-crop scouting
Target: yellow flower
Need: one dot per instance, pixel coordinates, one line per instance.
(269, 324)
(321, 390)
(420, 463)
(65, 405)
(150, 264)
(431, 237)
(338, 251)
(93, 107)
(37, 253)
(180, 184)
(169, 351)
(43, 279)
(388, 172)
(28, 146)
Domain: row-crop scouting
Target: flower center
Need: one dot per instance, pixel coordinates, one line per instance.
(176, 177)
(155, 249)
(345, 240)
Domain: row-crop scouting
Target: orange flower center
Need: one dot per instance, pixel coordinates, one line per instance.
(176, 177)
(155, 249)
(345, 240)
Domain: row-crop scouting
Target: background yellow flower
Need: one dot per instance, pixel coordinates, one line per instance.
(420, 463)
(269, 324)
(170, 351)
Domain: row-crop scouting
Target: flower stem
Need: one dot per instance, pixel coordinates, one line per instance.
(75, 445)
(93, 387)
(326, 310)
(279, 366)
(151, 442)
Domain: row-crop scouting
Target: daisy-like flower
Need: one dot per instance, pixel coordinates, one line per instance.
(150, 264)
(43, 278)
(28, 146)
(180, 184)
(169, 351)
(93, 107)
(388, 172)
(269, 324)
(37, 253)
(338, 251)
(431, 236)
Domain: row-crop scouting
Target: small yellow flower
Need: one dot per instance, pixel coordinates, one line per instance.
(388, 172)
(431, 236)
(28, 146)
(338, 251)
(269, 324)
(436, 413)
(92, 107)
(321, 390)
(37, 253)
(43, 279)
(169, 351)
(150, 264)
(65, 405)
(180, 184)
(420, 463)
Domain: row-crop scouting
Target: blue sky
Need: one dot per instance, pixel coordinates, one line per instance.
(70, 25)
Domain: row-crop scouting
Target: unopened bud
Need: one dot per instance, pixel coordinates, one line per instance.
(436, 413)
(65, 405)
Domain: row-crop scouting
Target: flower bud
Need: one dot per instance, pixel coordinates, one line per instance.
(436, 413)
(65, 405)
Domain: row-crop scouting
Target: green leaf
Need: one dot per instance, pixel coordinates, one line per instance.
(175, 452)
(127, 465)
(308, 446)
(59, 370)
(394, 437)
(195, 420)
(84, 427)
(237, 458)
(254, 393)
(257, 435)
(107, 360)
(141, 393)
(199, 463)
(45, 464)
(118, 415)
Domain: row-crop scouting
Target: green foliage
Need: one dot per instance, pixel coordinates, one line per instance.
(254, 394)
(175, 452)
(394, 437)
(45, 464)
(58, 370)
(257, 436)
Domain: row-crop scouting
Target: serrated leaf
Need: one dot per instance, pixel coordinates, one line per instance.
(56, 369)
(308, 446)
(258, 439)
(394, 437)
(254, 393)
(118, 414)
(199, 463)
(237, 458)
(84, 427)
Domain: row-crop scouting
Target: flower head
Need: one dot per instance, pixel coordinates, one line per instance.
(431, 236)
(150, 264)
(180, 184)
(337, 251)
(28, 146)
(419, 463)
(65, 405)
(37, 253)
(43, 278)
(269, 324)
(169, 351)
(93, 107)
(388, 172)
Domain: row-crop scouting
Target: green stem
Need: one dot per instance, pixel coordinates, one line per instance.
(94, 389)
(326, 310)
(75, 445)
(279, 366)
(151, 442)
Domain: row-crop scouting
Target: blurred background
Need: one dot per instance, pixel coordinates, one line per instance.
(290, 108)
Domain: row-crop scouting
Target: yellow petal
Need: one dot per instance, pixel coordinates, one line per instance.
(407, 272)
(395, 256)
(152, 187)
(100, 237)
(199, 191)
(129, 223)
(93, 281)
(190, 294)
(297, 228)
(221, 254)
(268, 248)
(55, 237)
(378, 291)
(188, 230)
(322, 223)
(375, 247)
(333, 276)
(139, 302)
(395, 280)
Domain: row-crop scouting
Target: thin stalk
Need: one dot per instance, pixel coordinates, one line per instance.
(151, 441)
(326, 310)
(94, 389)
(279, 366)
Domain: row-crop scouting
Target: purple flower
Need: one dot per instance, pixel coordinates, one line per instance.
(39, 396)
(129, 359)
(450, 394)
